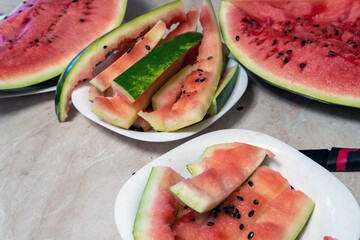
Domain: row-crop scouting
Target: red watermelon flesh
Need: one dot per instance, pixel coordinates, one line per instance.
(226, 219)
(41, 37)
(218, 172)
(309, 47)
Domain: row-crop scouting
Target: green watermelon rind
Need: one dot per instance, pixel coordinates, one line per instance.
(303, 219)
(67, 83)
(224, 91)
(58, 69)
(136, 79)
(279, 81)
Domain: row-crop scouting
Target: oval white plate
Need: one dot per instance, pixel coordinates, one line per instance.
(80, 99)
(336, 214)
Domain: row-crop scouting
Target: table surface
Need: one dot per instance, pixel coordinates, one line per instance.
(60, 181)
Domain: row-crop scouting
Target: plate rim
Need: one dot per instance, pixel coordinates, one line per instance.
(276, 146)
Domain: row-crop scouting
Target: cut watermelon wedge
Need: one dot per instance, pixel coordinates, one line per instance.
(219, 171)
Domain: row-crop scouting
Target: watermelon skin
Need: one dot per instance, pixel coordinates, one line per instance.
(153, 221)
(324, 77)
(134, 54)
(217, 173)
(121, 39)
(193, 105)
(38, 28)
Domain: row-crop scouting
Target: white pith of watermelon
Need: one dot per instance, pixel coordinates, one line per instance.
(193, 105)
(218, 172)
(153, 222)
(266, 186)
(103, 80)
(122, 110)
(324, 60)
(121, 39)
(38, 42)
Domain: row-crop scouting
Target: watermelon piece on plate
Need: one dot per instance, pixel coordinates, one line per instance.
(40, 38)
(307, 47)
(158, 207)
(118, 40)
(218, 172)
(199, 86)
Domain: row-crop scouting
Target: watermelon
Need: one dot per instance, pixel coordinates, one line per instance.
(224, 90)
(199, 86)
(307, 47)
(41, 37)
(233, 215)
(218, 172)
(142, 80)
(103, 80)
(152, 221)
(119, 40)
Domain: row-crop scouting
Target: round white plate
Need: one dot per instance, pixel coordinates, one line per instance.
(336, 214)
(80, 99)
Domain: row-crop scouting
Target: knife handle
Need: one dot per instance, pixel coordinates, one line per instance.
(344, 159)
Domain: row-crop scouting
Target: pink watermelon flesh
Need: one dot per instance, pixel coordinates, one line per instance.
(226, 219)
(199, 87)
(40, 38)
(158, 207)
(309, 47)
(219, 171)
(134, 54)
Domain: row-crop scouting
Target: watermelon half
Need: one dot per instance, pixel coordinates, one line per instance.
(40, 38)
(308, 47)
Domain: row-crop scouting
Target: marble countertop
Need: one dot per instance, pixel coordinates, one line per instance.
(60, 181)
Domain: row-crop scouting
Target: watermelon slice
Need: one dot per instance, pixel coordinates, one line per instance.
(138, 51)
(218, 172)
(41, 37)
(122, 109)
(233, 215)
(308, 47)
(199, 86)
(120, 40)
(152, 221)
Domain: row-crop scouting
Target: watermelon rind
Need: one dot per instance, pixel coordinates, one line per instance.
(55, 70)
(319, 94)
(136, 79)
(224, 90)
(84, 62)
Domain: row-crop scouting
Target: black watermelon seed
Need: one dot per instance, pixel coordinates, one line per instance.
(211, 57)
(286, 42)
(49, 41)
(331, 53)
(288, 51)
(239, 109)
(251, 213)
(303, 43)
(286, 60)
(133, 173)
(291, 187)
(192, 219)
(250, 183)
(231, 206)
(245, 20)
(74, 1)
(336, 32)
(310, 42)
(197, 80)
(355, 46)
(20, 11)
(316, 25)
(200, 74)
(324, 31)
(200, 70)
(82, 20)
(287, 23)
(188, 95)
(227, 211)
(250, 235)
(233, 215)
(186, 207)
(302, 65)
(214, 214)
(30, 5)
(280, 54)
(24, 2)
(253, 22)
(210, 223)
(241, 226)
(238, 216)
(240, 198)
(326, 45)
(36, 40)
(105, 47)
(274, 42)
(59, 15)
(256, 202)
(5, 17)
(237, 38)
(147, 47)
(357, 32)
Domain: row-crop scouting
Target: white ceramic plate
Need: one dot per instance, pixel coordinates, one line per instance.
(336, 214)
(80, 100)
